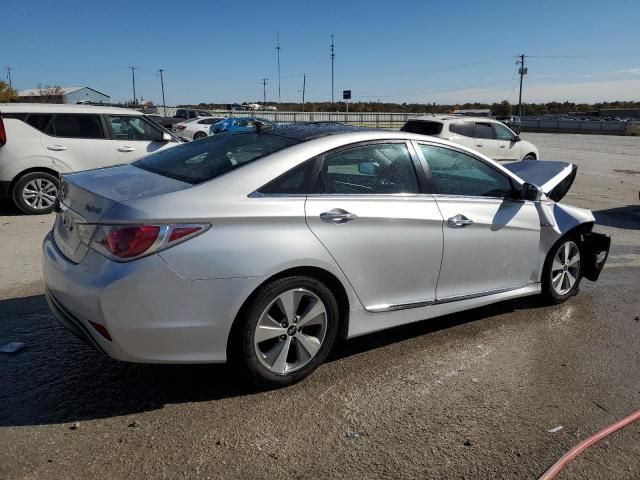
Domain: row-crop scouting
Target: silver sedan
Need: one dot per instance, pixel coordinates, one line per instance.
(265, 247)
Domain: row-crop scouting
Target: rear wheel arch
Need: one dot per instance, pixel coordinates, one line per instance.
(320, 274)
(530, 156)
(50, 171)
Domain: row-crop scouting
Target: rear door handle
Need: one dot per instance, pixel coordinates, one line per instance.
(503, 146)
(56, 147)
(459, 221)
(126, 149)
(337, 215)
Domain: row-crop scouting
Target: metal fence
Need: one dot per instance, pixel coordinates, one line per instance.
(397, 120)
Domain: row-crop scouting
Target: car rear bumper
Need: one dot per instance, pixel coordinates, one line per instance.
(151, 313)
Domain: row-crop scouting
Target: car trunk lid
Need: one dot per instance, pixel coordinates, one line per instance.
(552, 177)
(85, 197)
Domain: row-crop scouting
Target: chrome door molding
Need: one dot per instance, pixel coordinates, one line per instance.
(457, 298)
(392, 307)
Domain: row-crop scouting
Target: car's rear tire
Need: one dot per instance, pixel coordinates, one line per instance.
(199, 135)
(562, 271)
(529, 156)
(35, 193)
(286, 331)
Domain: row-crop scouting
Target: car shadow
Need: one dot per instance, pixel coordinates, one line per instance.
(8, 209)
(620, 217)
(57, 378)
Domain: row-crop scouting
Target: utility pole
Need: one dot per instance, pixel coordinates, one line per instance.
(9, 76)
(278, 51)
(133, 78)
(333, 56)
(522, 71)
(264, 90)
(164, 105)
(304, 87)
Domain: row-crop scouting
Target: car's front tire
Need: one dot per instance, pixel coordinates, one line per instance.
(199, 135)
(529, 156)
(286, 331)
(35, 193)
(562, 271)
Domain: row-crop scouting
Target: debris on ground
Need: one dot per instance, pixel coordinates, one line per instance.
(74, 426)
(475, 380)
(356, 434)
(467, 443)
(134, 424)
(11, 347)
(555, 429)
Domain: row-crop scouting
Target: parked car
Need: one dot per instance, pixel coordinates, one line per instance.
(264, 247)
(195, 128)
(181, 115)
(243, 124)
(486, 135)
(38, 142)
(513, 122)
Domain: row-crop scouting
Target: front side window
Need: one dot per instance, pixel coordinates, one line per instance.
(483, 130)
(197, 162)
(503, 133)
(369, 169)
(456, 173)
(77, 126)
(134, 128)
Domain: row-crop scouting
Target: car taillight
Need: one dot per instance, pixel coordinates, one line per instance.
(128, 242)
(3, 132)
(180, 127)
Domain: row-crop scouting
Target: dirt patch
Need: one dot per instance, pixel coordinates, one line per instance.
(628, 172)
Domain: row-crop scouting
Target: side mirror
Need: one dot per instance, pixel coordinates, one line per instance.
(166, 137)
(367, 168)
(530, 192)
(516, 138)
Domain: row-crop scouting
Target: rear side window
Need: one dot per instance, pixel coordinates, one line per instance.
(462, 128)
(422, 127)
(40, 121)
(197, 162)
(16, 115)
(483, 130)
(78, 126)
(295, 181)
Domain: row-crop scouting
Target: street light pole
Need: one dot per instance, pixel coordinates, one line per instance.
(164, 105)
(9, 76)
(304, 87)
(278, 51)
(133, 78)
(333, 56)
(264, 90)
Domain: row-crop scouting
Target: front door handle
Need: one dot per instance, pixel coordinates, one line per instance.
(337, 215)
(478, 144)
(56, 148)
(126, 149)
(503, 146)
(459, 221)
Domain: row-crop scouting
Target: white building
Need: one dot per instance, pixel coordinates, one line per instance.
(68, 94)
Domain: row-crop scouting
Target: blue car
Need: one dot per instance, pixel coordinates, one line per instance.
(245, 124)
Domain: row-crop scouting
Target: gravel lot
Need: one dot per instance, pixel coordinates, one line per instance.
(472, 395)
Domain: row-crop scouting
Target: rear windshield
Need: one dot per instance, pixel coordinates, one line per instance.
(423, 127)
(202, 160)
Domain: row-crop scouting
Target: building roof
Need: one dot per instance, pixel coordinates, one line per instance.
(35, 92)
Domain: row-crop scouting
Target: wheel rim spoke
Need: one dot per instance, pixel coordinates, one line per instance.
(312, 315)
(288, 304)
(309, 344)
(565, 268)
(557, 279)
(278, 357)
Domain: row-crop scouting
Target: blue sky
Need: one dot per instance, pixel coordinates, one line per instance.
(403, 51)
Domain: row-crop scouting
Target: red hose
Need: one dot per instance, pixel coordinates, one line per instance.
(596, 437)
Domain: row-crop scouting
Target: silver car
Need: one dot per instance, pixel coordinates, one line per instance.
(265, 247)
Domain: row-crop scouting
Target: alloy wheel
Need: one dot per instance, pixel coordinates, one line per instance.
(40, 193)
(290, 331)
(565, 268)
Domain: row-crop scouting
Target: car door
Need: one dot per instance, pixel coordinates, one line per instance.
(134, 137)
(78, 141)
(384, 233)
(491, 239)
(485, 140)
(508, 147)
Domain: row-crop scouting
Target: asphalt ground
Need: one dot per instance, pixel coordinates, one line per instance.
(471, 395)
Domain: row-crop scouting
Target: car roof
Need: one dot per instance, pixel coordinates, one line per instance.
(444, 118)
(304, 131)
(63, 108)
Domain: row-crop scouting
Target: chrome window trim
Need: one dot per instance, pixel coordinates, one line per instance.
(392, 307)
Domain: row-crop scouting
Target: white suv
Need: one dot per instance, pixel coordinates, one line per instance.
(485, 135)
(40, 141)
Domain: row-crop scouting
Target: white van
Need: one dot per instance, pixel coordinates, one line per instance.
(40, 141)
